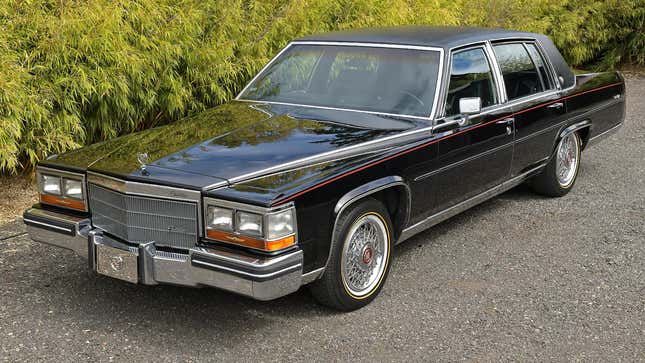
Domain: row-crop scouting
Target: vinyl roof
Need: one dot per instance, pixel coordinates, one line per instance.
(442, 37)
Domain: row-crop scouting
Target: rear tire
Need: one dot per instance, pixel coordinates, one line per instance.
(360, 258)
(560, 174)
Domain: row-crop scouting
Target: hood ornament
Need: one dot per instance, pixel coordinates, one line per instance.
(142, 158)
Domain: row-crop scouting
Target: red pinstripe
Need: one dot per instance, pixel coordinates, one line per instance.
(407, 151)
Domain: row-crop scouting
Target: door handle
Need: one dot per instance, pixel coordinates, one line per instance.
(556, 106)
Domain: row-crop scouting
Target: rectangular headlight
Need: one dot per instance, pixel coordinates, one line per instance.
(220, 218)
(61, 188)
(50, 184)
(73, 188)
(249, 223)
(250, 226)
(280, 224)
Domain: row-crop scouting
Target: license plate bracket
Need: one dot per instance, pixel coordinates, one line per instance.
(117, 263)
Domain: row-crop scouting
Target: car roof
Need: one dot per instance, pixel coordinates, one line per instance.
(427, 36)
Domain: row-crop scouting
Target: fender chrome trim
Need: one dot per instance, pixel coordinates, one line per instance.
(355, 195)
(575, 127)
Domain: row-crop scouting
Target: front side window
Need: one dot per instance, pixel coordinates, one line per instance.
(383, 80)
(470, 76)
(521, 78)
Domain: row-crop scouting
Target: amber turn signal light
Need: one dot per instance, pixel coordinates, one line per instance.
(259, 244)
(62, 202)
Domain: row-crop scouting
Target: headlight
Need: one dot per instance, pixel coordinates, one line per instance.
(73, 188)
(249, 223)
(62, 189)
(280, 224)
(266, 229)
(220, 218)
(51, 184)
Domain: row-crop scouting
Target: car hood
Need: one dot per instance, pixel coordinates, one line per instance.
(231, 141)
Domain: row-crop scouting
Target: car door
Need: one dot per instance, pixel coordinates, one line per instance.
(530, 88)
(476, 155)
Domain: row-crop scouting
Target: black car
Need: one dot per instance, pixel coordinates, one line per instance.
(342, 146)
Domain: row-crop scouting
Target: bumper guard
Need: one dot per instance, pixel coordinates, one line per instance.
(262, 278)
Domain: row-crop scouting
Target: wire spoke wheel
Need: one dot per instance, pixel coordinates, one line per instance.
(567, 159)
(365, 255)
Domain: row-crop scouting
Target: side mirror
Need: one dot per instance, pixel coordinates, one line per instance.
(467, 106)
(470, 105)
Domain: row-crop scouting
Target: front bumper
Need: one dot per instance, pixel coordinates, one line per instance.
(264, 278)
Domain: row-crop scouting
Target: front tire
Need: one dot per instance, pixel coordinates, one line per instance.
(561, 172)
(360, 258)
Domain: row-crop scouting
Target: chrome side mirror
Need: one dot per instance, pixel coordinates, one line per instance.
(467, 106)
(470, 105)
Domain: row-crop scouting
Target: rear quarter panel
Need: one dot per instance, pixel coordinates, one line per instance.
(599, 98)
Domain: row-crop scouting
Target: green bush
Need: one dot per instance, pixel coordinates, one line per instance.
(76, 72)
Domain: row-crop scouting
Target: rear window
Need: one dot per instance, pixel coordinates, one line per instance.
(521, 76)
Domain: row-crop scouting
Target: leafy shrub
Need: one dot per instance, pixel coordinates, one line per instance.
(74, 72)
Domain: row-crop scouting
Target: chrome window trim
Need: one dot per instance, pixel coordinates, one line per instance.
(501, 89)
(265, 212)
(493, 71)
(545, 59)
(63, 174)
(335, 109)
(357, 44)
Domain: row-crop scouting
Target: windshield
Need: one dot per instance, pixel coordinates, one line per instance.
(383, 80)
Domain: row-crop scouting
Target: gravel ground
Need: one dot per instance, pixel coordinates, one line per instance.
(17, 192)
(520, 277)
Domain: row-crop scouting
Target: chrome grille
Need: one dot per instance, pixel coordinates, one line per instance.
(139, 219)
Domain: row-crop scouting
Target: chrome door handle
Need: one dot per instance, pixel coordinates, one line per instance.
(507, 120)
(556, 106)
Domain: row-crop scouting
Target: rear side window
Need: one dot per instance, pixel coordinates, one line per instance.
(521, 77)
(470, 76)
(538, 60)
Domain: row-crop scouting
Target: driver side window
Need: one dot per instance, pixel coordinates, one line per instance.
(470, 76)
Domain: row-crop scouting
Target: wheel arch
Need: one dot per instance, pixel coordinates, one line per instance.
(392, 191)
(381, 189)
(582, 128)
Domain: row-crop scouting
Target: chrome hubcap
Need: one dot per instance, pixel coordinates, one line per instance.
(567, 160)
(365, 255)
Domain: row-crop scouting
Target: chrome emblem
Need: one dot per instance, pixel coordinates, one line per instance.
(142, 158)
(116, 263)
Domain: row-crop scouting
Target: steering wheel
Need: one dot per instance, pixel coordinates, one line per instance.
(413, 96)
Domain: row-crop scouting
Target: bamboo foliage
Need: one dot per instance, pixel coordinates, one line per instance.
(74, 72)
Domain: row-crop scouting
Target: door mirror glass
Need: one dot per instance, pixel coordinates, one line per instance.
(470, 105)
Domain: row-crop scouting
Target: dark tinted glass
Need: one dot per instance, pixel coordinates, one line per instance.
(397, 81)
(470, 76)
(541, 67)
(521, 78)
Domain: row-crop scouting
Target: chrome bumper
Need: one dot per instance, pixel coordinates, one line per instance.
(264, 278)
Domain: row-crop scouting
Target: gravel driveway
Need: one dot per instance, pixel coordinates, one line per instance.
(520, 277)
